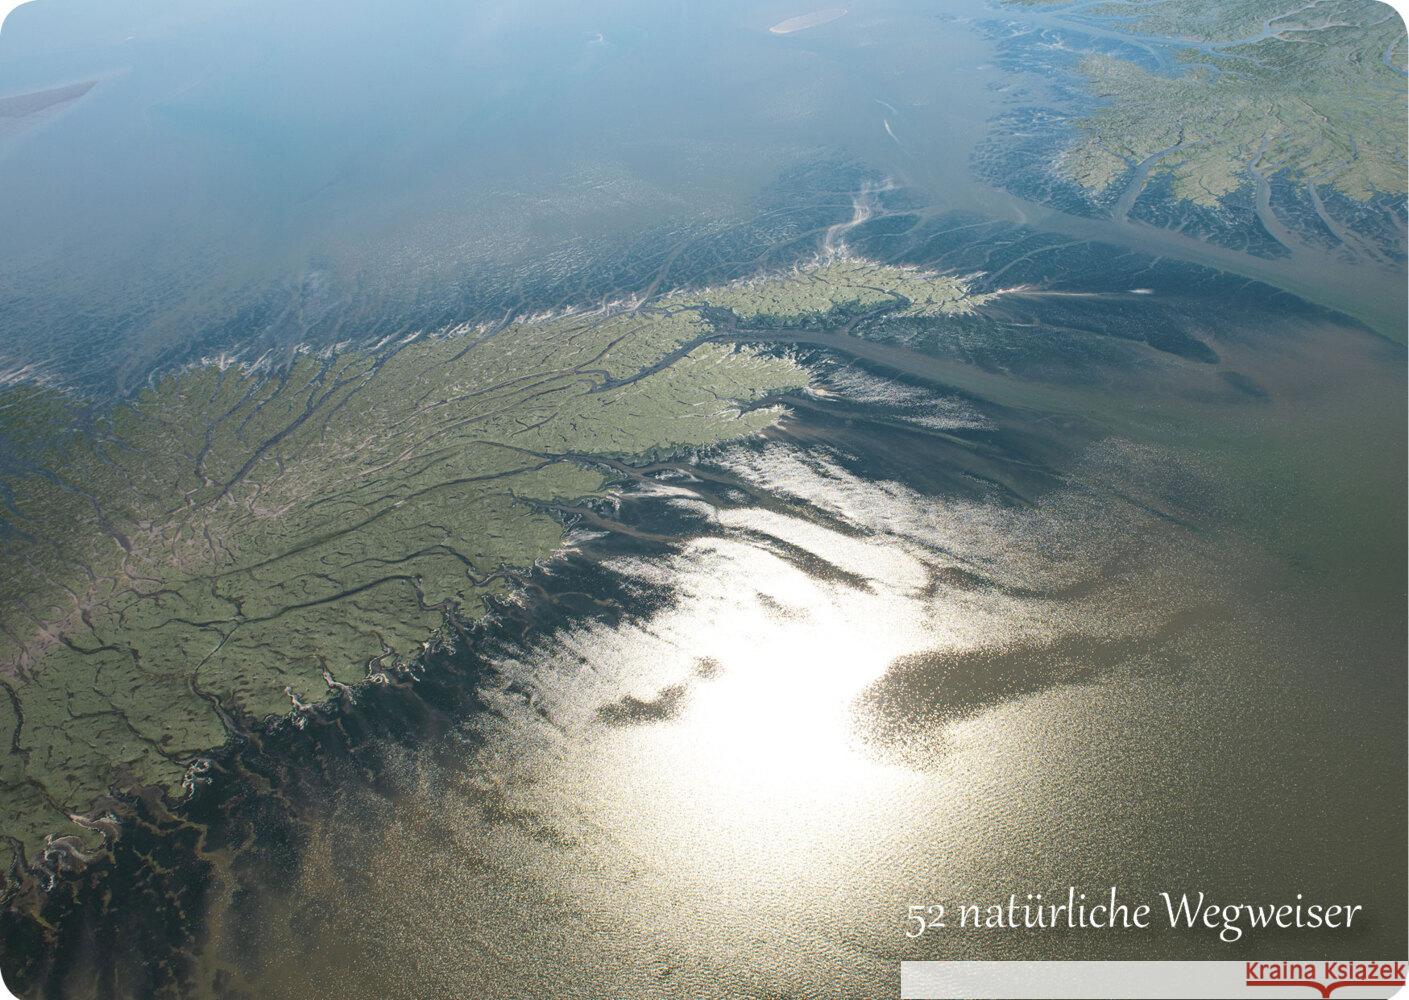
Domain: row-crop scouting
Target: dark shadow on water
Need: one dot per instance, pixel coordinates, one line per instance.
(630, 711)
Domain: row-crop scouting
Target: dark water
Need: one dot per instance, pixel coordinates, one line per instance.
(1104, 585)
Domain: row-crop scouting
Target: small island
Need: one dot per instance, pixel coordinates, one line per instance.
(805, 21)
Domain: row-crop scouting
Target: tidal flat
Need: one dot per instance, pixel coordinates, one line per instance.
(1013, 621)
(237, 542)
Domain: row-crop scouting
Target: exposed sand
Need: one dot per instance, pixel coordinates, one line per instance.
(803, 21)
(35, 101)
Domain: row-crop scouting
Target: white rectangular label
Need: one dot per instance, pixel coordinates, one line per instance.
(1268, 980)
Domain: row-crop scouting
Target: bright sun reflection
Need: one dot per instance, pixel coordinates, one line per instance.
(793, 656)
(717, 739)
(748, 781)
(756, 773)
(697, 781)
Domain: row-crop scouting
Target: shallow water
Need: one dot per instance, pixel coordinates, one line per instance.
(378, 171)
